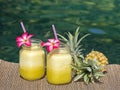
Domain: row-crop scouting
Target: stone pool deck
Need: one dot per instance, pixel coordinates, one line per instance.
(11, 80)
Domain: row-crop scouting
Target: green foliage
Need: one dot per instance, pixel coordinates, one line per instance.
(88, 71)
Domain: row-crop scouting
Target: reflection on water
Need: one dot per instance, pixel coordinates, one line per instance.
(100, 18)
(96, 31)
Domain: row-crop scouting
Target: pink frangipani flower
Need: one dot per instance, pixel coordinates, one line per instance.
(51, 44)
(24, 39)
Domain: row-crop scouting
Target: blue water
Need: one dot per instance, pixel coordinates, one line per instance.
(100, 18)
(96, 31)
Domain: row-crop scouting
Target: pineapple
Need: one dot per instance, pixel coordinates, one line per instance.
(100, 57)
(74, 45)
(88, 70)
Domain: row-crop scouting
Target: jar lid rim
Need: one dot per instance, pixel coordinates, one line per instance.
(34, 40)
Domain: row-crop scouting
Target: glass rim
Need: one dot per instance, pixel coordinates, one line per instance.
(35, 40)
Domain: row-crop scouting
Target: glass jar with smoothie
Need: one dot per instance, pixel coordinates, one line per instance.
(59, 70)
(32, 61)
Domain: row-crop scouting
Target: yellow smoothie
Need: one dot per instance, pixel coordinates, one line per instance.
(59, 69)
(32, 62)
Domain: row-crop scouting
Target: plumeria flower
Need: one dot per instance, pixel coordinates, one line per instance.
(24, 39)
(51, 44)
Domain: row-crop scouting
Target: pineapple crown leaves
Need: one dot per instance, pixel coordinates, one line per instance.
(89, 71)
(76, 35)
(74, 42)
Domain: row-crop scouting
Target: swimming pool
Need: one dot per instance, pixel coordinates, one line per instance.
(99, 18)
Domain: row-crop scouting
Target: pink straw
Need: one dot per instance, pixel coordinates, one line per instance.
(22, 25)
(54, 30)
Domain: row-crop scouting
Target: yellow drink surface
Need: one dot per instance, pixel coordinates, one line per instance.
(31, 73)
(59, 69)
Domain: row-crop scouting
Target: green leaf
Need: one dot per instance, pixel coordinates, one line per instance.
(95, 70)
(97, 77)
(99, 74)
(89, 69)
(78, 48)
(77, 61)
(81, 39)
(70, 39)
(85, 64)
(79, 77)
(64, 39)
(81, 57)
(86, 68)
(86, 79)
(75, 67)
(76, 35)
(92, 80)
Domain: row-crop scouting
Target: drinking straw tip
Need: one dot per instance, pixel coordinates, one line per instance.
(22, 25)
(54, 30)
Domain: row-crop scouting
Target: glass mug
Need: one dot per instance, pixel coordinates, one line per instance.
(59, 70)
(32, 61)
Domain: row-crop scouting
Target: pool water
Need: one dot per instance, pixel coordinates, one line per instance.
(99, 18)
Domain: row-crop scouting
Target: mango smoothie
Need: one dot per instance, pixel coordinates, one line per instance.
(32, 62)
(59, 69)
